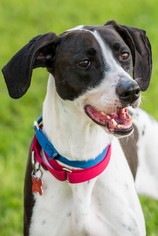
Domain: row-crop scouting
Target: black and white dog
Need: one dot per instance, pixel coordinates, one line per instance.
(88, 183)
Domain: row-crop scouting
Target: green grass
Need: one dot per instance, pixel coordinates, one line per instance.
(19, 22)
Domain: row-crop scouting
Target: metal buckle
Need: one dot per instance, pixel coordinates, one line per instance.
(36, 175)
(67, 171)
(36, 124)
(36, 170)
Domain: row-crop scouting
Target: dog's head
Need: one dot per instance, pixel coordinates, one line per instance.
(101, 68)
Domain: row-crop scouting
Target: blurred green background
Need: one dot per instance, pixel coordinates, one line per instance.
(21, 20)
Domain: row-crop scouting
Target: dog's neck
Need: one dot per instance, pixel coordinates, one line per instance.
(72, 133)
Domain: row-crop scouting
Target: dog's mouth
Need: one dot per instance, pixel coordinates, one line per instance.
(118, 123)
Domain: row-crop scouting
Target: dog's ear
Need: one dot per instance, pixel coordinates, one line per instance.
(140, 47)
(39, 52)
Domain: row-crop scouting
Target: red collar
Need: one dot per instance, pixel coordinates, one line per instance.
(70, 175)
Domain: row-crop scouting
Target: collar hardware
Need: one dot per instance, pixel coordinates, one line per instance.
(67, 171)
(86, 170)
(36, 175)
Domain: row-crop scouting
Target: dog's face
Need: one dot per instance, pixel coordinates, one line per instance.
(101, 69)
(96, 74)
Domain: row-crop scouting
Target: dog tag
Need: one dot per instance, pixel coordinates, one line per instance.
(37, 185)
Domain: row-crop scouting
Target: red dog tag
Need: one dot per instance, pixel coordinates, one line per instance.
(37, 185)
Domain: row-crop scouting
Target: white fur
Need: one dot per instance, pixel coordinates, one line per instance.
(107, 205)
(147, 174)
(90, 208)
(79, 27)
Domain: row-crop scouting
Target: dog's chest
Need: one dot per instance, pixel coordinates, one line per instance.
(88, 208)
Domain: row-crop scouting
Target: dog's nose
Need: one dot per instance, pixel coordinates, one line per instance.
(128, 91)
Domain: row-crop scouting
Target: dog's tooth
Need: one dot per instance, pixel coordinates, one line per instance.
(108, 117)
(114, 122)
(103, 113)
(120, 126)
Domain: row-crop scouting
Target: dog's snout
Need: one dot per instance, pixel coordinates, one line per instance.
(128, 91)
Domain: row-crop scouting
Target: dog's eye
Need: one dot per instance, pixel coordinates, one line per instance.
(84, 64)
(124, 56)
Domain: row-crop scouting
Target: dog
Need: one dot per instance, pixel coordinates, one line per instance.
(93, 150)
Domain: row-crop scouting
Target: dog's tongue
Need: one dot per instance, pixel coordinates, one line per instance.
(115, 121)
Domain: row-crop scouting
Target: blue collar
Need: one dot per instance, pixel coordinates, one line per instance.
(52, 153)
